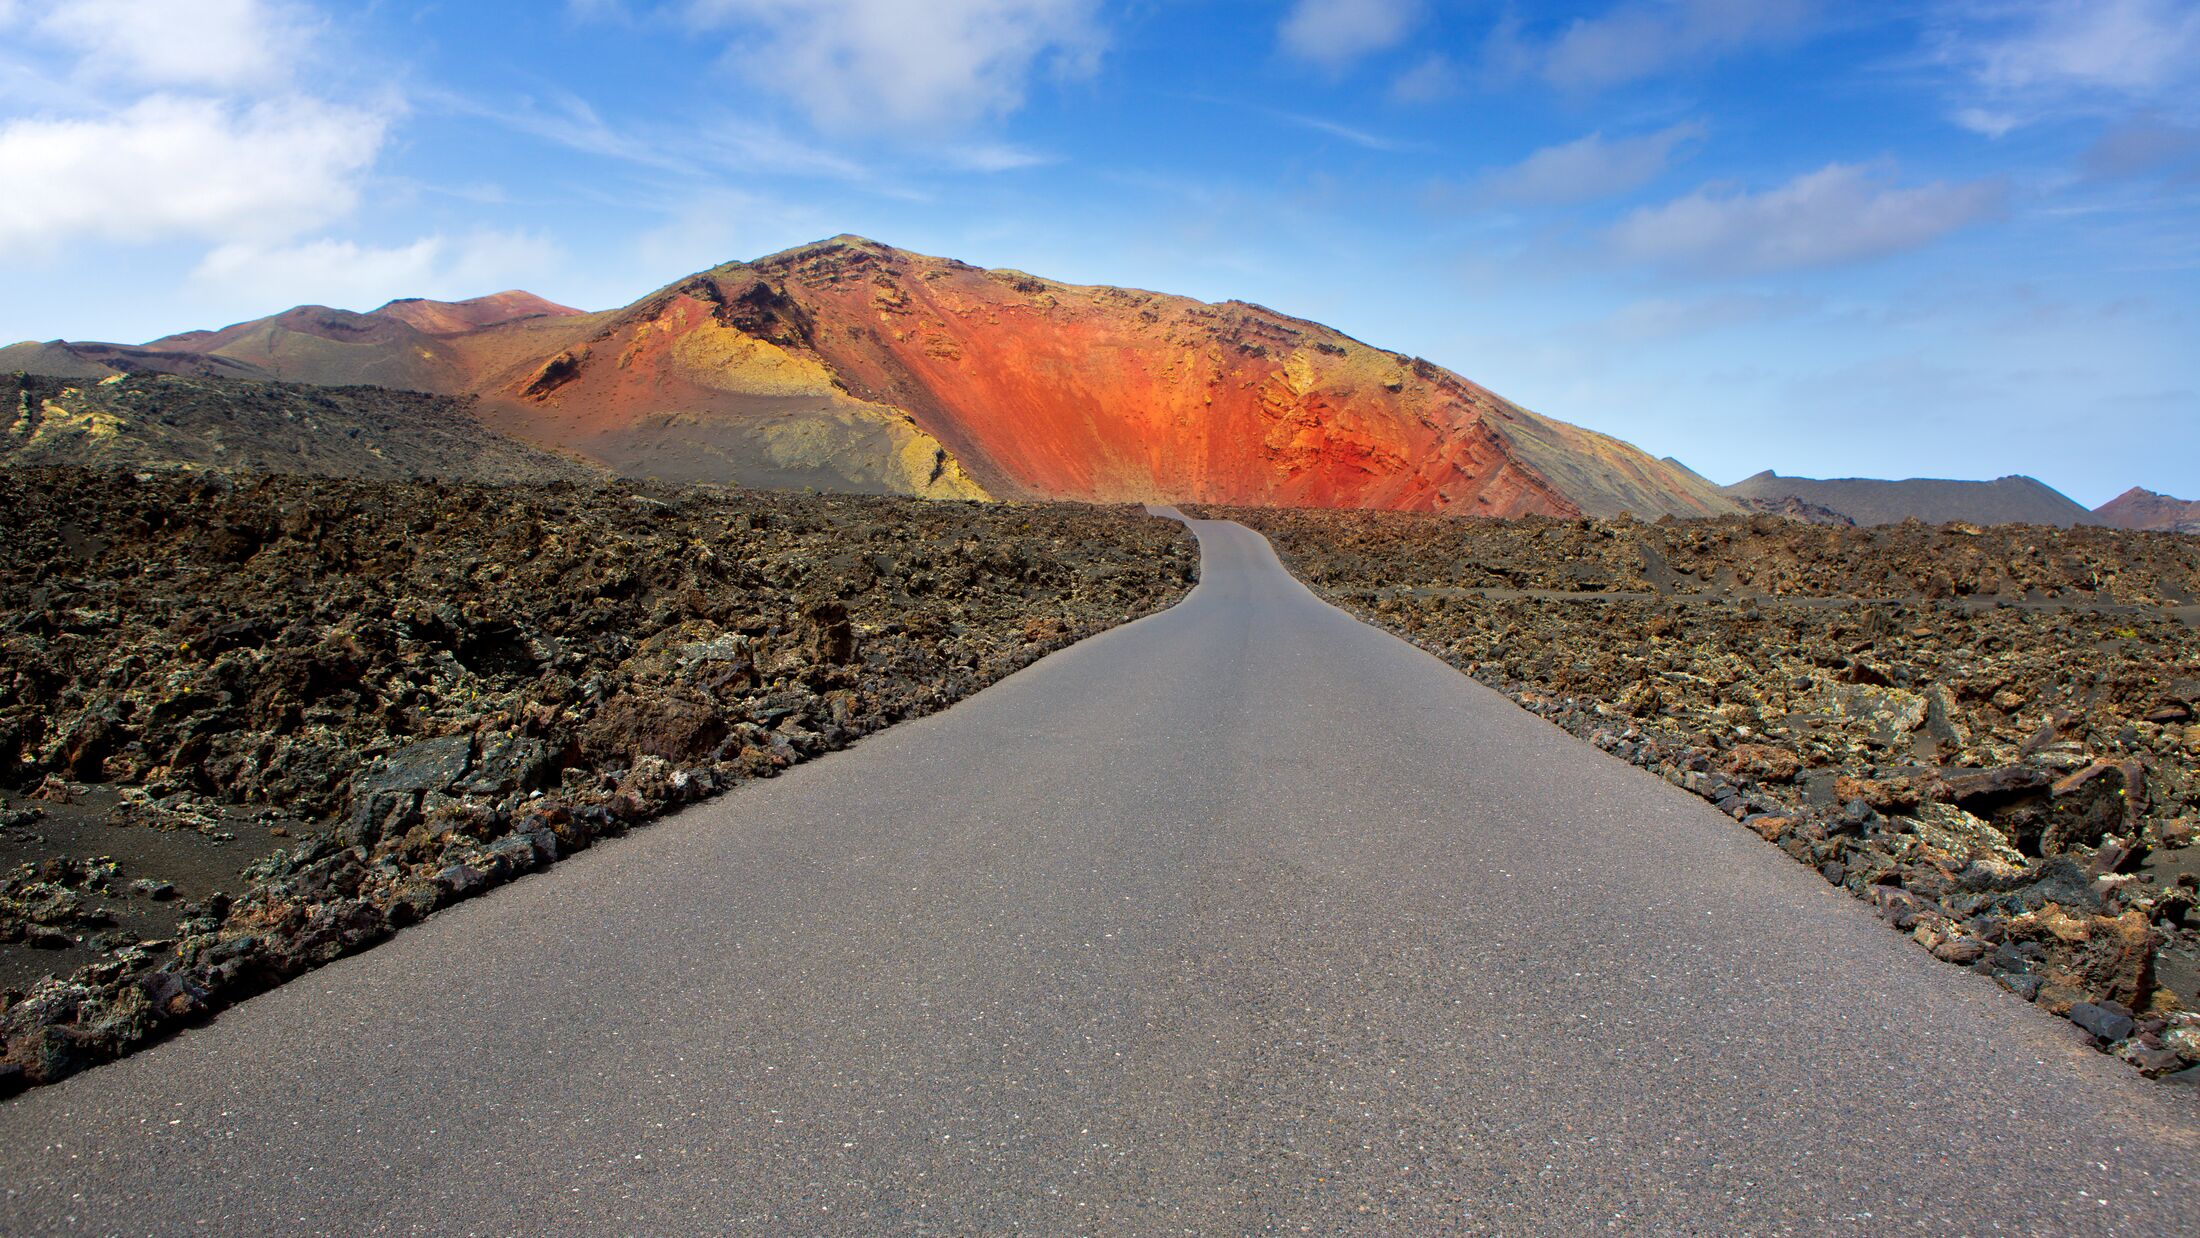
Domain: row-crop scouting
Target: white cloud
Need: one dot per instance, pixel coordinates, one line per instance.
(2147, 143)
(1334, 33)
(142, 122)
(1987, 122)
(217, 44)
(854, 65)
(1840, 213)
(170, 167)
(1589, 167)
(724, 224)
(994, 157)
(1643, 38)
(346, 273)
(2023, 60)
(1434, 78)
(1337, 129)
(2130, 46)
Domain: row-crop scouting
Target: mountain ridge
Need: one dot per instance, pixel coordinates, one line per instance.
(2015, 499)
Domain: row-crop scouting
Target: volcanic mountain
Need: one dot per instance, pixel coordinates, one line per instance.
(2144, 509)
(851, 365)
(2005, 500)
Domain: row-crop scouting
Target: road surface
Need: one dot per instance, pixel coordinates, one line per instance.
(1245, 918)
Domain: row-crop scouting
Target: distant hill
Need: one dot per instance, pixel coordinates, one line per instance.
(403, 344)
(2005, 500)
(2144, 509)
(163, 421)
(63, 359)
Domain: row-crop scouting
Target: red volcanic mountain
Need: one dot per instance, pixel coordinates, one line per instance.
(2144, 509)
(852, 365)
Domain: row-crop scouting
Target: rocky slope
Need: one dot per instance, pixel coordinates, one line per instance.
(248, 725)
(159, 421)
(1993, 736)
(2144, 509)
(2006, 500)
(850, 365)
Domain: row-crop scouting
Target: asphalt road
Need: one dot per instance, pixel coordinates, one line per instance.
(1244, 918)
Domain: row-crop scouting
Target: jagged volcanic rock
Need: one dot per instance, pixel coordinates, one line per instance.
(147, 420)
(249, 724)
(1993, 735)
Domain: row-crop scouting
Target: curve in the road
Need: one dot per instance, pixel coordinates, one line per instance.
(1241, 918)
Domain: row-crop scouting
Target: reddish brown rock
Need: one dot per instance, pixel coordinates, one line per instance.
(1761, 762)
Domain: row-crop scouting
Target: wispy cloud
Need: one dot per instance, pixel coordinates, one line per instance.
(222, 45)
(1335, 129)
(1431, 78)
(1589, 167)
(1315, 124)
(2146, 144)
(994, 157)
(703, 146)
(1640, 39)
(1336, 33)
(902, 67)
(2132, 47)
(1839, 214)
(2020, 61)
(347, 273)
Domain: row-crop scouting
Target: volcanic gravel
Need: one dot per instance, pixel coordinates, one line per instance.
(1992, 734)
(250, 724)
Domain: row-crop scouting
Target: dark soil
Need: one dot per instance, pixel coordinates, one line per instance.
(1991, 734)
(248, 725)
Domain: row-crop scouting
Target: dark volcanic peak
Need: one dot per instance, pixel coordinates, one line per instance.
(2139, 508)
(2005, 500)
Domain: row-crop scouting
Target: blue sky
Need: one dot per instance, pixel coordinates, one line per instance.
(1950, 238)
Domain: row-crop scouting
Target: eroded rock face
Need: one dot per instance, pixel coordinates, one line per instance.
(380, 697)
(1983, 732)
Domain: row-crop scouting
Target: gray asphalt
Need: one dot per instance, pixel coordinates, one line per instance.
(1245, 918)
